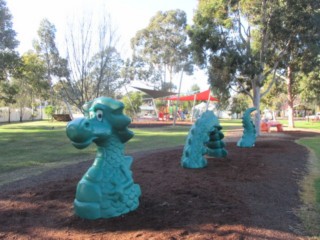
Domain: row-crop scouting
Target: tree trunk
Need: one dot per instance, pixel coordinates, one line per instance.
(41, 110)
(21, 114)
(32, 107)
(9, 117)
(256, 103)
(290, 98)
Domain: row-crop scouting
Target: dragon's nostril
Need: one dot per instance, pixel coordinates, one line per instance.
(86, 124)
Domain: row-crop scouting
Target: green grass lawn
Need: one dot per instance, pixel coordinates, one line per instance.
(314, 168)
(303, 124)
(43, 142)
(157, 138)
(40, 143)
(310, 213)
(36, 143)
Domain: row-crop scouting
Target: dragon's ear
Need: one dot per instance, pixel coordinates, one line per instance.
(125, 135)
(86, 108)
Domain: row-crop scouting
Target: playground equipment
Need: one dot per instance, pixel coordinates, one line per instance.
(107, 189)
(248, 138)
(215, 145)
(266, 126)
(195, 147)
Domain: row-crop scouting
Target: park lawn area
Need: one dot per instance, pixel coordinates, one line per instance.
(44, 143)
(303, 124)
(36, 143)
(157, 138)
(170, 136)
(41, 143)
(231, 124)
(311, 187)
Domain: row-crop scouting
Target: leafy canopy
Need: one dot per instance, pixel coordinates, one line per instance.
(9, 58)
(162, 47)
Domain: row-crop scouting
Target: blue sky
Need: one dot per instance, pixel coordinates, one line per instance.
(128, 16)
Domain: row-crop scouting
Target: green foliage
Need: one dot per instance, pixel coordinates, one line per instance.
(33, 74)
(8, 92)
(239, 104)
(161, 47)
(298, 39)
(276, 98)
(310, 86)
(49, 110)
(46, 48)
(31, 80)
(9, 58)
(195, 88)
(7, 34)
(132, 102)
(51, 65)
(231, 60)
(241, 43)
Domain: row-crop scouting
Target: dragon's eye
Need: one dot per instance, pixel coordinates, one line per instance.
(99, 115)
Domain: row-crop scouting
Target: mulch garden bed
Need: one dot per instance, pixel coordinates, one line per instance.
(251, 194)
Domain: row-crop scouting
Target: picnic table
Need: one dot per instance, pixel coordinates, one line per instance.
(266, 126)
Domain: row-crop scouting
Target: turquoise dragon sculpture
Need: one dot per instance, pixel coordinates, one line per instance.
(196, 145)
(107, 188)
(215, 145)
(248, 138)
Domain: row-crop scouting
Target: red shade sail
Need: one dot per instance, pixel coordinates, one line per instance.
(202, 96)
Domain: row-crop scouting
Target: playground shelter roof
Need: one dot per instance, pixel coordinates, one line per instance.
(155, 93)
(201, 96)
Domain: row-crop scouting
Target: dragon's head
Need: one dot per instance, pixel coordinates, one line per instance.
(103, 117)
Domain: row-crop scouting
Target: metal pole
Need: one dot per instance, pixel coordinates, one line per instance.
(125, 87)
(194, 103)
(155, 107)
(178, 100)
(209, 95)
(69, 108)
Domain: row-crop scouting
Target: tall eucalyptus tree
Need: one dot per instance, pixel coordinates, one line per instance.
(162, 48)
(45, 46)
(242, 42)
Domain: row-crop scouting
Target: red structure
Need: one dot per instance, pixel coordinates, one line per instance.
(202, 96)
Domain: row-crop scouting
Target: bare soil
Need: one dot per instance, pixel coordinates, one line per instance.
(251, 194)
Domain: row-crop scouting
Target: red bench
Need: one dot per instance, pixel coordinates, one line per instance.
(265, 126)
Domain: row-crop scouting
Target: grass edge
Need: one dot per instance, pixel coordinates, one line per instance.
(309, 211)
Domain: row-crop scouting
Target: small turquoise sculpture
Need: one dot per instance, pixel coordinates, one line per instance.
(107, 189)
(248, 138)
(215, 145)
(195, 147)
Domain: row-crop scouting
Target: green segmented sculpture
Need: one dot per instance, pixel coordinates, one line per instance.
(196, 145)
(215, 145)
(248, 138)
(107, 189)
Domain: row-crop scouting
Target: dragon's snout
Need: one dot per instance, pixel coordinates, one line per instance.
(79, 131)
